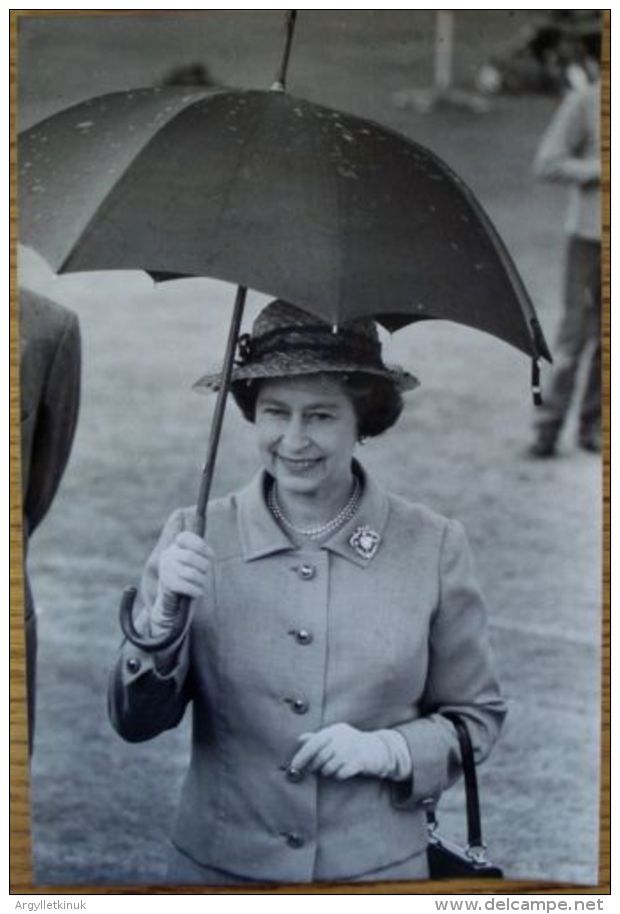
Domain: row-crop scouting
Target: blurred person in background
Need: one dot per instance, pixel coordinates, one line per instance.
(569, 153)
(332, 625)
(50, 395)
(547, 57)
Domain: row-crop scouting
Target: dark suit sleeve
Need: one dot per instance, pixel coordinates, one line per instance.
(55, 423)
(461, 679)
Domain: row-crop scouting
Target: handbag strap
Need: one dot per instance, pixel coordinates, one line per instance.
(474, 826)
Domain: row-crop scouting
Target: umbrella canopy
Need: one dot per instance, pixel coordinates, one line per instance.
(332, 212)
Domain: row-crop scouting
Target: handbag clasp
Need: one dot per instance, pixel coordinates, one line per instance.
(477, 853)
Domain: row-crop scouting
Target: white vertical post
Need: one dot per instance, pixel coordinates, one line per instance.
(444, 44)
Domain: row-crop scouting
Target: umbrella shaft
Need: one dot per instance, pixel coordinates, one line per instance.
(280, 81)
(218, 414)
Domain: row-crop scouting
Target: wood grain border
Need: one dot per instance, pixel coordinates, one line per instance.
(20, 864)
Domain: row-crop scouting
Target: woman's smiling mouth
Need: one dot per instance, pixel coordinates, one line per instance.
(298, 464)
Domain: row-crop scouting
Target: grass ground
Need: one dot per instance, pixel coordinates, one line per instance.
(102, 809)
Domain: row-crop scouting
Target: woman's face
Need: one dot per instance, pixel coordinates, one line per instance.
(307, 430)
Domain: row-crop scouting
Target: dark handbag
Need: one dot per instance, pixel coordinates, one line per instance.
(447, 860)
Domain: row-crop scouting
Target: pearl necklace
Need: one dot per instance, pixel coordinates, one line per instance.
(316, 533)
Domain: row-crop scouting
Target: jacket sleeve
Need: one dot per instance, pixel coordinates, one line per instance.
(559, 157)
(55, 424)
(148, 692)
(460, 679)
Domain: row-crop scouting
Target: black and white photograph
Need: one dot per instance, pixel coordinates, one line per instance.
(311, 428)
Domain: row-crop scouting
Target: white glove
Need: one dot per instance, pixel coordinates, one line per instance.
(183, 570)
(342, 752)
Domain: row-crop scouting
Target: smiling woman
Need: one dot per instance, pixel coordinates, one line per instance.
(333, 629)
(306, 432)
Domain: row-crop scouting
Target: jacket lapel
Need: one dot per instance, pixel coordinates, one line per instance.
(259, 532)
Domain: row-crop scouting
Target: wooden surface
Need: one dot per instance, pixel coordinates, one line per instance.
(19, 795)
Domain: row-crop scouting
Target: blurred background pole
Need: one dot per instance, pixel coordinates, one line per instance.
(444, 49)
(442, 92)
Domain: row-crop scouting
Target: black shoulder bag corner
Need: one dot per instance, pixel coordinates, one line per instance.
(446, 859)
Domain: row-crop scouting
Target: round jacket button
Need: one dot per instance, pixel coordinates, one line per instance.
(295, 775)
(303, 636)
(294, 840)
(306, 572)
(299, 706)
(133, 664)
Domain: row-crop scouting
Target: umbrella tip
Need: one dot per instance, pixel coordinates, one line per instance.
(535, 383)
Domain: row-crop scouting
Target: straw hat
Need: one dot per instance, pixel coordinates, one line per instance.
(288, 342)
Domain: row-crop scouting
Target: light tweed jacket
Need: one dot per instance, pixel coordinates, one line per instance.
(291, 640)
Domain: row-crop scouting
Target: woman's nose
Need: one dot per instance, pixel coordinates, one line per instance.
(295, 436)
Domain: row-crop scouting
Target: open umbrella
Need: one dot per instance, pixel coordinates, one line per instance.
(335, 213)
(330, 211)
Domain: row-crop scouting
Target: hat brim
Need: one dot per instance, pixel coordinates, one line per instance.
(289, 366)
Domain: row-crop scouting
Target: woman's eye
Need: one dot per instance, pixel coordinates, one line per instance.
(272, 411)
(321, 417)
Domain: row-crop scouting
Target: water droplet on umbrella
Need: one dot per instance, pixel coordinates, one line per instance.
(85, 125)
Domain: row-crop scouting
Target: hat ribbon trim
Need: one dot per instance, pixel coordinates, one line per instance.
(318, 339)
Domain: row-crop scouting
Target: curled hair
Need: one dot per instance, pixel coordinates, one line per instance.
(376, 400)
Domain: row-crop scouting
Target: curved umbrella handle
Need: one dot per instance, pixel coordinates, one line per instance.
(150, 645)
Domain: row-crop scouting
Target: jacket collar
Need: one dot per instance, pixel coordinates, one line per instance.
(261, 535)
(259, 532)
